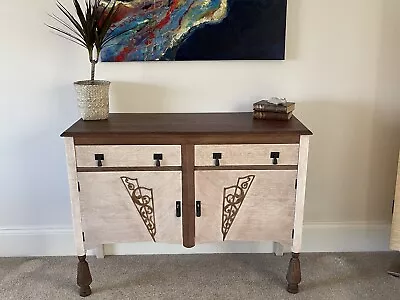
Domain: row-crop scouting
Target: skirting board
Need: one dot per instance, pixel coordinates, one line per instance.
(317, 237)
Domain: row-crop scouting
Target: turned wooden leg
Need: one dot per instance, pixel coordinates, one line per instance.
(84, 278)
(293, 276)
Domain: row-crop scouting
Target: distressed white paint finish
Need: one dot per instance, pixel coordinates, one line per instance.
(109, 215)
(336, 237)
(254, 154)
(278, 249)
(267, 212)
(100, 251)
(74, 195)
(300, 192)
(395, 233)
(128, 155)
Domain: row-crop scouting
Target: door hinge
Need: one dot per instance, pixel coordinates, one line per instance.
(79, 187)
(393, 207)
(83, 236)
(292, 234)
(295, 184)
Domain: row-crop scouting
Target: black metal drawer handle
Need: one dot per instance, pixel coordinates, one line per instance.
(158, 158)
(178, 209)
(99, 158)
(216, 158)
(275, 156)
(198, 209)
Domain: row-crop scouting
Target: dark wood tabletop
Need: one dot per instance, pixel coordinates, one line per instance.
(184, 123)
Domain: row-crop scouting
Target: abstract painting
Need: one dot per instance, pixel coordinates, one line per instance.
(198, 30)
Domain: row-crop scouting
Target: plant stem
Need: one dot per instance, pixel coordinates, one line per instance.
(93, 69)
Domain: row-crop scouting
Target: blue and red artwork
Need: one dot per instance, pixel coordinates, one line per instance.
(198, 30)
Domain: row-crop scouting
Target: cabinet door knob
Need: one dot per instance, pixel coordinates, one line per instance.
(99, 158)
(198, 209)
(178, 209)
(216, 158)
(158, 158)
(275, 156)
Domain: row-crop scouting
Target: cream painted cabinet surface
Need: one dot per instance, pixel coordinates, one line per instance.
(395, 236)
(187, 179)
(129, 206)
(245, 205)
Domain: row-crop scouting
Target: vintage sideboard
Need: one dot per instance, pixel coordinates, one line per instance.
(188, 179)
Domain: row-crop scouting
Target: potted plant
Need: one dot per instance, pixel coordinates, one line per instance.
(90, 28)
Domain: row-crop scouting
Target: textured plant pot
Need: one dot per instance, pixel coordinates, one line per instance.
(93, 99)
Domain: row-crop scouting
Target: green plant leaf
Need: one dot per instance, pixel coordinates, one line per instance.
(108, 18)
(69, 39)
(61, 21)
(76, 38)
(79, 12)
(91, 27)
(71, 18)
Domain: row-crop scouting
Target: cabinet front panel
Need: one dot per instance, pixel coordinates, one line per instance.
(395, 235)
(245, 205)
(130, 206)
(128, 155)
(251, 154)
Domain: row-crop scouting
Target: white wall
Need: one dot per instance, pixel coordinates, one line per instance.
(342, 69)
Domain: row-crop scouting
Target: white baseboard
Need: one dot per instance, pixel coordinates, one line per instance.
(317, 237)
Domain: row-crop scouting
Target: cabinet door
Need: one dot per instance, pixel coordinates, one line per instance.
(395, 235)
(130, 206)
(245, 205)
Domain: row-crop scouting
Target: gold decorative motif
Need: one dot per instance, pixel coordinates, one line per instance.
(143, 199)
(233, 200)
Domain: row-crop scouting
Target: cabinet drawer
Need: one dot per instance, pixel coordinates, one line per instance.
(251, 154)
(128, 155)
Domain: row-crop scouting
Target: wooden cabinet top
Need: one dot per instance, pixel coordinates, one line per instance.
(184, 124)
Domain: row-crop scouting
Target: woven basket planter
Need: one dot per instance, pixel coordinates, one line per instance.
(93, 99)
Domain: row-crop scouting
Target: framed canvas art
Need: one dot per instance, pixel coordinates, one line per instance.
(185, 30)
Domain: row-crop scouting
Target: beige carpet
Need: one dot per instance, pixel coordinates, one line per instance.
(219, 276)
